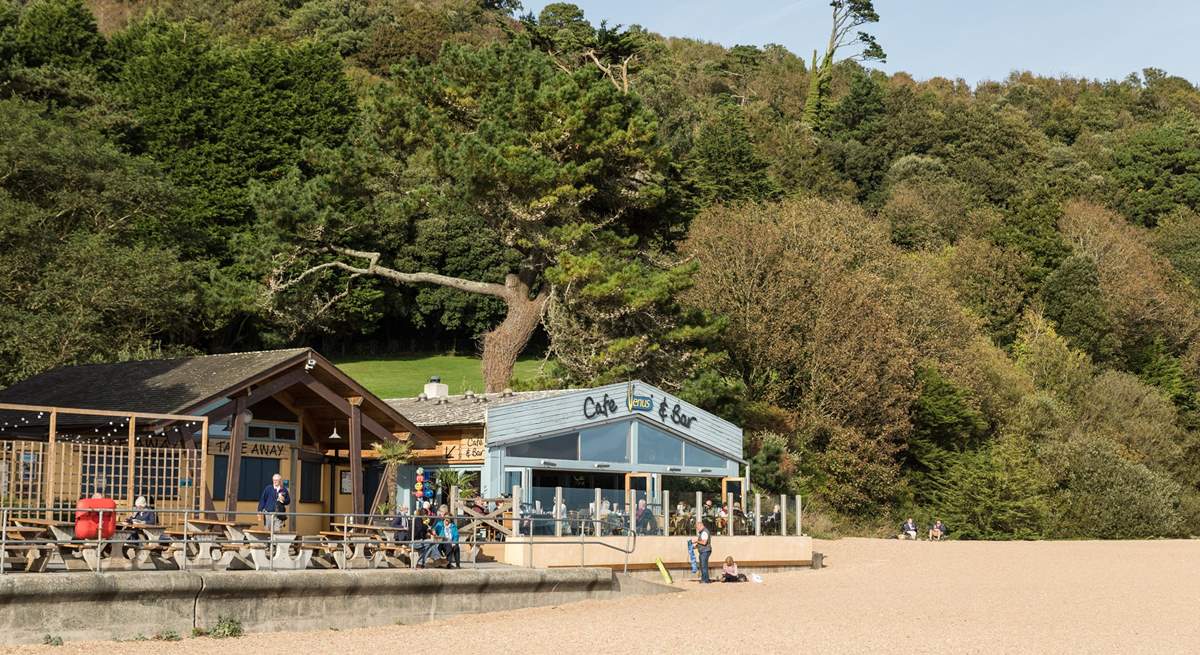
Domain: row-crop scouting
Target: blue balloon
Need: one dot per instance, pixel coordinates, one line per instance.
(428, 492)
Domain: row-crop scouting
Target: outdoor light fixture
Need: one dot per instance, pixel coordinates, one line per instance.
(335, 436)
(546, 462)
(602, 465)
(674, 468)
(706, 470)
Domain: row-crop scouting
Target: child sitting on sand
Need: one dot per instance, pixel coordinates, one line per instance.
(729, 572)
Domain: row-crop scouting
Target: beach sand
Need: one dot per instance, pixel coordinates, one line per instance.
(872, 596)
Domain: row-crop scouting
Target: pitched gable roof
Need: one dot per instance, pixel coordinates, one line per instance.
(165, 386)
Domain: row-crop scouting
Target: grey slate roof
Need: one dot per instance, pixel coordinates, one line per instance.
(161, 386)
(461, 410)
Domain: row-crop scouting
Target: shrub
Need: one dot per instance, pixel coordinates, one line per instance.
(51, 640)
(226, 627)
(1105, 496)
(998, 492)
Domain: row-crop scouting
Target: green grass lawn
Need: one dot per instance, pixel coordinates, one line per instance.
(401, 376)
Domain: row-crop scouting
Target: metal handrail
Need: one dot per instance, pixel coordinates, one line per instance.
(349, 538)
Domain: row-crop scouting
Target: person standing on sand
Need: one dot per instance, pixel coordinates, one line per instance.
(703, 544)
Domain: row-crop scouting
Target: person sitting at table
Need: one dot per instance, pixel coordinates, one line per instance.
(424, 540)
(479, 505)
(771, 524)
(737, 510)
(644, 519)
(447, 532)
(404, 524)
(708, 508)
(273, 502)
(729, 572)
(682, 509)
(143, 516)
(443, 510)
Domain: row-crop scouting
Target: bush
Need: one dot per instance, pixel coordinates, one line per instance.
(1106, 496)
(226, 627)
(167, 635)
(51, 640)
(998, 492)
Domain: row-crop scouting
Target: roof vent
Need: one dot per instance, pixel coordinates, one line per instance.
(435, 389)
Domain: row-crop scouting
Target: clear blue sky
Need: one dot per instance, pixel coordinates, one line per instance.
(972, 39)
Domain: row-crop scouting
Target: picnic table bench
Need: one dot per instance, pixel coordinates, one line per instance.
(258, 540)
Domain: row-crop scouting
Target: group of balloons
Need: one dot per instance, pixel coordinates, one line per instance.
(420, 489)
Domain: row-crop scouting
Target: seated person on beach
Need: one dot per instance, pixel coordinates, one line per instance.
(937, 530)
(729, 572)
(447, 532)
(908, 530)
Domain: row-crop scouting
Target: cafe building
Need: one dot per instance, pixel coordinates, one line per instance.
(625, 439)
(200, 433)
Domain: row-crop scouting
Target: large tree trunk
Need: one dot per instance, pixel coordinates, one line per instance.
(501, 346)
(507, 341)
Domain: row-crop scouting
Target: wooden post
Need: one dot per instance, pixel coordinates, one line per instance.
(233, 469)
(699, 507)
(516, 510)
(50, 480)
(558, 517)
(132, 459)
(729, 513)
(783, 515)
(799, 517)
(356, 472)
(757, 515)
(595, 515)
(666, 503)
(454, 500)
(206, 500)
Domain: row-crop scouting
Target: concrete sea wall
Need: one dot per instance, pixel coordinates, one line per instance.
(77, 606)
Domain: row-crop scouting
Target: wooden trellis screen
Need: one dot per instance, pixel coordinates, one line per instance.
(55, 474)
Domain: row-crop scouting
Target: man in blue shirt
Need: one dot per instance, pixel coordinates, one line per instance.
(273, 502)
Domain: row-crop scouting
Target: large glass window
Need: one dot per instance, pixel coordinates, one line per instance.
(564, 446)
(607, 443)
(658, 447)
(255, 475)
(696, 456)
(310, 482)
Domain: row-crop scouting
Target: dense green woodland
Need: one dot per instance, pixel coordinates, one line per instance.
(918, 297)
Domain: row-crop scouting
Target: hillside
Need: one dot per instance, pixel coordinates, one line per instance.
(917, 297)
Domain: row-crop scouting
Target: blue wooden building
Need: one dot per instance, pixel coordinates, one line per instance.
(621, 437)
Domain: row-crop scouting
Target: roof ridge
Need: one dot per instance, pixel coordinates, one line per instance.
(177, 359)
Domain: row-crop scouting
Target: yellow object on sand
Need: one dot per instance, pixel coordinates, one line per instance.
(663, 570)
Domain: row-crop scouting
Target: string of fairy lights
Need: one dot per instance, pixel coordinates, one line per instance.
(115, 432)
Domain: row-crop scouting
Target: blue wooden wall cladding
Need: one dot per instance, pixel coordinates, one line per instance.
(507, 424)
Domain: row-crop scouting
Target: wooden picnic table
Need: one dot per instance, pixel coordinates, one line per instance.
(233, 531)
(61, 535)
(259, 539)
(23, 550)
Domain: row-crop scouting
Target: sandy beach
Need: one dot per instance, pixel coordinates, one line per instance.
(873, 596)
